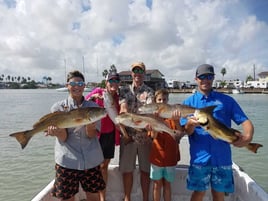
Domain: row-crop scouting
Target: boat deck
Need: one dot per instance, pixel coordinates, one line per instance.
(246, 189)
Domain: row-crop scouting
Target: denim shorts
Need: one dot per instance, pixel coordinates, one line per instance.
(157, 173)
(220, 178)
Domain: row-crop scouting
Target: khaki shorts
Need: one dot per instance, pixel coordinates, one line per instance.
(128, 153)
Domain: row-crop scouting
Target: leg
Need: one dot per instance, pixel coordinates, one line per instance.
(144, 165)
(145, 184)
(198, 195)
(92, 183)
(127, 164)
(127, 183)
(70, 199)
(93, 196)
(104, 171)
(217, 196)
(157, 187)
(166, 190)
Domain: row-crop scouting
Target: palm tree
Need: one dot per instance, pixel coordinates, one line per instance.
(223, 72)
(113, 68)
(105, 73)
(44, 79)
(249, 78)
(49, 79)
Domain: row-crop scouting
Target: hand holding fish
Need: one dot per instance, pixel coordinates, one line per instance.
(91, 130)
(57, 132)
(176, 114)
(243, 139)
(191, 124)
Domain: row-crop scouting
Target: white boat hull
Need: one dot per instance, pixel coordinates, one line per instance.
(237, 91)
(65, 89)
(246, 189)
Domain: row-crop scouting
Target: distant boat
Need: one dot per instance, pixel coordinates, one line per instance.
(65, 89)
(237, 91)
(62, 89)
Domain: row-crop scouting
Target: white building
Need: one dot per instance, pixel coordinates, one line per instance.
(257, 84)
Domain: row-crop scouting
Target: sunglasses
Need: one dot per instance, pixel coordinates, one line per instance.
(111, 81)
(138, 71)
(80, 84)
(208, 77)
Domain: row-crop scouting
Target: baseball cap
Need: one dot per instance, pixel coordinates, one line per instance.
(113, 75)
(204, 69)
(138, 65)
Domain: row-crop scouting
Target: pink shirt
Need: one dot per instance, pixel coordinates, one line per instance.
(107, 126)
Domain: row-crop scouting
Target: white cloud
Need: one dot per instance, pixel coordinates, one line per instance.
(174, 36)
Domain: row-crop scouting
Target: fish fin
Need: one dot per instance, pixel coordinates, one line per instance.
(22, 137)
(208, 109)
(45, 117)
(235, 131)
(126, 138)
(253, 147)
(178, 135)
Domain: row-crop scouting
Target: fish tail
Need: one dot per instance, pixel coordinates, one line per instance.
(254, 147)
(22, 137)
(178, 135)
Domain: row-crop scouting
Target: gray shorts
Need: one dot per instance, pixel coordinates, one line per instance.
(128, 153)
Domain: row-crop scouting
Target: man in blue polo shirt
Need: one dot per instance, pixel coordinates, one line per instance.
(211, 159)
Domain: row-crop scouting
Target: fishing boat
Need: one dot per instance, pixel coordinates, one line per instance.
(237, 91)
(246, 189)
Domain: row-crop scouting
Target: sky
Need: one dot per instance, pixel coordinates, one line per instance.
(51, 37)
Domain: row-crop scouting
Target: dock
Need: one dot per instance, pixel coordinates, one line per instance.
(227, 91)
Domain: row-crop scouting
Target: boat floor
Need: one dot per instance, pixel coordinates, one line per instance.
(246, 189)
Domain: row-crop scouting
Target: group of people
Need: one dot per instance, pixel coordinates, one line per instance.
(82, 155)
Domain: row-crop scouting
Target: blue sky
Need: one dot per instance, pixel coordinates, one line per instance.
(174, 36)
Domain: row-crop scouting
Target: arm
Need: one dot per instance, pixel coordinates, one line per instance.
(190, 125)
(246, 136)
(123, 107)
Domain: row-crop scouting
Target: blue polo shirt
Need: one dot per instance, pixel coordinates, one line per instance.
(204, 149)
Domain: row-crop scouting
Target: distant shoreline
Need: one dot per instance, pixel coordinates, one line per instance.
(227, 91)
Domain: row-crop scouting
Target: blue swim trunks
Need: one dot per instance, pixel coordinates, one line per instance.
(219, 178)
(157, 173)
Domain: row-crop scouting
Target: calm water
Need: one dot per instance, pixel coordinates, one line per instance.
(23, 173)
